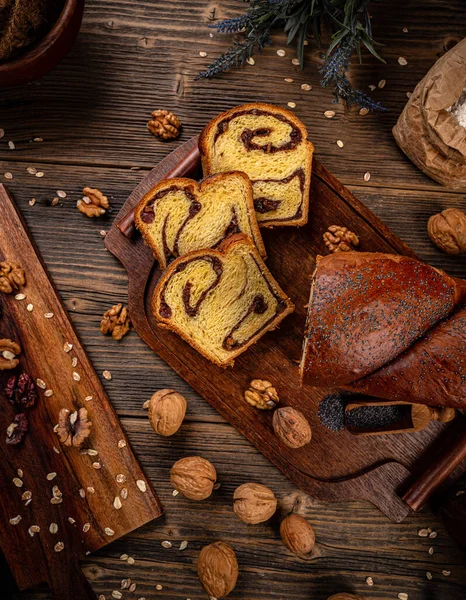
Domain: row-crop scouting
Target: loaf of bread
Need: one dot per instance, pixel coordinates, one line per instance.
(389, 326)
(220, 301)
(270, 145)
(179, 215)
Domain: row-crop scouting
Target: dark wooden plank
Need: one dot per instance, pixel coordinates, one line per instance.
(40, 325)
(131, 58)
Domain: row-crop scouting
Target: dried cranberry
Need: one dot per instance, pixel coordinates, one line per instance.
(17, 429)
(21, 391)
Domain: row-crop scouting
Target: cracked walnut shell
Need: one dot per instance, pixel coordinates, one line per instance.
(217, 568)
(73, 428)
(297, 534)
(93, 203)
(164, 124)
(261, 394)
(167, 409)
(12, 277)
(292, 427)
(448, 230)
(340, 239)
(8, 352)
(254, 503)
(116, 321)
(194, 477)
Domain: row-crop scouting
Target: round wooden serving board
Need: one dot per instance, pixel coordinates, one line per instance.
(334, 466)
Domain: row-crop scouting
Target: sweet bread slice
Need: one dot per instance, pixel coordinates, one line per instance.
(220, 301)
(270, 145)
(179, 215)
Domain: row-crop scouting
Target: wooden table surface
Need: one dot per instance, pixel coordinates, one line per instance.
(132, 57)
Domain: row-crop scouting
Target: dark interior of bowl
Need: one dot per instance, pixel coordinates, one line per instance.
(23, 23)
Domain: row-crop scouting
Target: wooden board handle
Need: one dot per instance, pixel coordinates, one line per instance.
(185, 168)
(433, 477)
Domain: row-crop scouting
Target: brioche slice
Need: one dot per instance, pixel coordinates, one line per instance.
(220, 301)
(270, 145)
(178, 216)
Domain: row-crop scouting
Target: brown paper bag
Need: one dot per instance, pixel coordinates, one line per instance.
(427, 132)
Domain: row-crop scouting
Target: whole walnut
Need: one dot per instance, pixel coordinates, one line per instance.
(345, 596)
(291, 427)
(297, 534)
(217, 568)
(194, 477)
(448, 230)
(254, 503)
(167, 409)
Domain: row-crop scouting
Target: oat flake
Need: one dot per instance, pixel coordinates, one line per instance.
(2, 133)
(56, 500)
(31, 170)
(11, 145)
(423, 533)
(82, 493)
(74, 362)
(86, 527)
(38, 139)
(306, 87)
(288, 80)
(329, 114)
(291, 104)
(130, 560)
(202, 54)
(107, 375)
(121, 443)
(183, 545)
(76, 376)
(250, 61)
(132, 587)
(16, 520)
(402, 61)
(120, 478)
(124, 493)
(175, 493)
(125, 583)
(117, 594)
(59, 546)
(53, 528)
(117, 503)
(141, 485)
(96, 465)
(61, 194)
(30, 307)
(403, 596)
(367, 176)
(56, 450)
(51, 476)
(48, 315)
(20, 296)
(158, 587)
(372, 87)
(27, 495)
(167, 544)
(8, 175)
(33, 530)
(32, 201)
(364, 111)
(295, 61)
(48, 393)
(281, 53)
(369, 581)
(19, 472)
(67, 347)
(124, 557)
(40, 174)
(109, 531)
(87, 398)
(41, 383)
(18, 482)
(429, 575)
(446, 573)
(340, 144)
(71, 520)
(382, 83)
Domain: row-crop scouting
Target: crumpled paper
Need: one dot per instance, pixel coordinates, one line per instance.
(428, 134)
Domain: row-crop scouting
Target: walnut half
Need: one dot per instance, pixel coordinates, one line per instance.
(12, 276)
(340, 239)
(448, 230)
(261, 394)
(8, 352)
(164, 124)
(115, 321)
(73, 428)
(93, 203)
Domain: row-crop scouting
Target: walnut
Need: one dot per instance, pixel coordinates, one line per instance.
(291, 427)
(94, 203)
(194, 477)
(261, 394)
(8, 352)
(116, 321)
(164, 125)
(297, 534)
(12, 277)
(448, 230)
(217, 568)
(21, 392)
(340, 239)
(17, 430)
(167, 409)
(73, 428)
(254, 503)
(345, 596)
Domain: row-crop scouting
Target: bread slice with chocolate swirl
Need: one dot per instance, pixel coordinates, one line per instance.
(270, 145)
(180, 215)
(220, 301)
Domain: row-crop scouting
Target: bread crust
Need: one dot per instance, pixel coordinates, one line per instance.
(367, 308)
(197, 188)
(224, 248)
(204, 148)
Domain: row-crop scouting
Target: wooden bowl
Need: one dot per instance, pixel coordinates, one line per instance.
(49, 51)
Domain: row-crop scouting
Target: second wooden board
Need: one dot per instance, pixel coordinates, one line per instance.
(335, 466)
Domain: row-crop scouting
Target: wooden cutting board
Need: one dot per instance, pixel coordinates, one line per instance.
(86, 519)
(334, 466)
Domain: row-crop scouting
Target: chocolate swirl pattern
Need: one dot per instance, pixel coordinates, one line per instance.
(220, 301)
(179, 216)
(270, 145)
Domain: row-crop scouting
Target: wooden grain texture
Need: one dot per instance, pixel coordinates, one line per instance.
(91, 111)
(41, 326)
(375, 468)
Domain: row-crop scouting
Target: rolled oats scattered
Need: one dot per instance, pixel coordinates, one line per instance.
(306, 87)
(367, 176)
(329, 114)
(11, 145)
(281, 52)
(288, 80)
(121, 444)
(291, 104)
(433, 535)
(120, 478)
(132, 587)
(124, 493)
(90, 490)
(403, 596)
(117, 594)
(183, 545)
(74, 362)
(107, 375)
(402, 61)
(38, 139)
(103, 233)
(32, 201)
(51, 476)
(16, 520)
(141, 485)
(48, 393)
(56, 500)
(109, 532)
(33, 530)
(382, 83)
(87, 398)
(146, 404)
(429, 576)
(8, 175)
(2, 133)
(159, 587)
(295, 62)
(96, 465)
(67, 347)
(363, 111)
(446, 573)
(27, 495)
(61, 194)
(71, 520)
(53, 528)
(56, 450)
(431, 550)
(125, 583)
(18, 482)
(117, 503)
(405, 30)
(19, 472)
(372, 87)
(20, 296)
(41, 383)
(250, 61)
(82, 493)
(30, 307)
(124, 557)
(423, 533)
(175, 493)
(76, 376)
(101, 597)
(203, 54)
(48, 315)
(40, 174)
(86, 527)
(369, 581)
(55, 201)
(340, 144)
(130, 560)
(167, 544)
